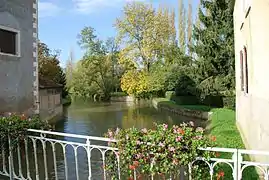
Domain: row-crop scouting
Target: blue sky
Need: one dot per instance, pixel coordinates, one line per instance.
(60, 21)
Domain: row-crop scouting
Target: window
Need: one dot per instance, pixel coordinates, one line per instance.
(9, 41)
(244, 70)
(241, 71)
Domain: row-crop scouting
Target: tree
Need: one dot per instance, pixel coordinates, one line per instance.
(145, 32)
(182, 26)
(215, 47)
(190, 25)
(49, 66)
(69, 69)
(97, 72)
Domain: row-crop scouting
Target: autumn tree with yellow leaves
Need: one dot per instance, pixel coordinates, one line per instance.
(145, 33)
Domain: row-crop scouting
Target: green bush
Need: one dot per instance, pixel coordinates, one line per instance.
(229, 102)
(169, 94)
(186, 100)
(168, 148)
(15, 126)
(186, 86)
(213, 101)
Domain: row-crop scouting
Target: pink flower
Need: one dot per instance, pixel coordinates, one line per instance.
(161, 144)
(199, 129)
(191, 123)
(178, 138)
(144, 130)
(138, 156)
(199, 137)
(171, 149)
(165, 126)
(175, 162)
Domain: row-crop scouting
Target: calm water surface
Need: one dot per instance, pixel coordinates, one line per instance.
(95, 119)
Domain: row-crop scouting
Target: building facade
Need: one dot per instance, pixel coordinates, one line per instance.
(18, 56)
(251, 26)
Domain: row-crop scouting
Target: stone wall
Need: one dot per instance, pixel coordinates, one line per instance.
(50, 104)
(182, 111)
(18, 73)
(123, 99)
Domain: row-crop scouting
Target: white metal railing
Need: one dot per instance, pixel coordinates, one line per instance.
(54, 155)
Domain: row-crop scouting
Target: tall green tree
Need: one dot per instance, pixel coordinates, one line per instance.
(214, 47)
(95, 74)
(49, 66)
(182, 26)
(69, 70)
(190, 25)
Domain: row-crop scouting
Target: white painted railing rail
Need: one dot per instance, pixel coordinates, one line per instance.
(55, 155)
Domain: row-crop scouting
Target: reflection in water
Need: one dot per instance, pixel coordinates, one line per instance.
(94, 119)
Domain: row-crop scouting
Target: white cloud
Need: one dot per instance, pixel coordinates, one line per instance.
(89, 6)
(46, 9)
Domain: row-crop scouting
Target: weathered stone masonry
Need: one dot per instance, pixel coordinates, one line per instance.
(35, 57)
(19, 73)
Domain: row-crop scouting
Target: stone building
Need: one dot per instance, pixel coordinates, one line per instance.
(251, 30)
(50, 98)
(18, 56)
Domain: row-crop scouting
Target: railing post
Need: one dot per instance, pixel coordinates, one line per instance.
(189, 167)
(10, 160)
(235, 161)
(239, 162)
(88, 143)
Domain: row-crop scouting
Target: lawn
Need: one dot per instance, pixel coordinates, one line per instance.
(222, 125)
(118, 94)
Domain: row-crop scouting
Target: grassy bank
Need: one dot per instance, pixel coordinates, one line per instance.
(173, 104)
(222, 125)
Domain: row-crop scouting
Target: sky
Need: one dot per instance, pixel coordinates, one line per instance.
(60, 21)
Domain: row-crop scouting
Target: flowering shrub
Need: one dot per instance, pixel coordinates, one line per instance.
(16, 127)
(160, 151)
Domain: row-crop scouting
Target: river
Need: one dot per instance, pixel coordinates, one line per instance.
(95, 119)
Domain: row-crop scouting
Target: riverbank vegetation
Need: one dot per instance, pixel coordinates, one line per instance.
(148, 57)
